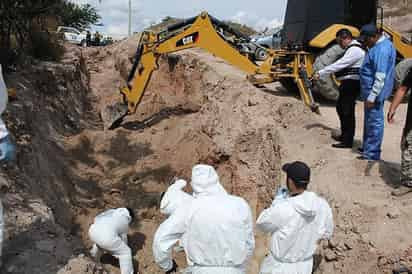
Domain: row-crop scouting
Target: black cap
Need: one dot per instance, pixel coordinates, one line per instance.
(343, 33)
(299, 172)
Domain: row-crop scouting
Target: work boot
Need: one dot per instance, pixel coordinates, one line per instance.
(337, 138)
(341, 145)
(402, 190)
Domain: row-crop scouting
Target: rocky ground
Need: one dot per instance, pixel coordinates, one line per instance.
(196, 109)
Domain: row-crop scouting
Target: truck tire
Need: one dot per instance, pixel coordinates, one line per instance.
(261, 54)
(326, 86)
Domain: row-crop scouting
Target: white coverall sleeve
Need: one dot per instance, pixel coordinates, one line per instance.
(328, 225)
(124, 237)
(351, 56)
(250, 241)
(166, 236)
(268, 220)
(3, 93)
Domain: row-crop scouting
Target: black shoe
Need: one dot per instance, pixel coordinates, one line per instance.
(362, 158)
(360, 150)
(341, 145)
(402, 190)
(337, 138)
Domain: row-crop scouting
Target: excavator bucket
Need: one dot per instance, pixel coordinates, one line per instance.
(113, 115)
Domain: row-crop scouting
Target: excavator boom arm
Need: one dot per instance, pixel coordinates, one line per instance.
(210, 34)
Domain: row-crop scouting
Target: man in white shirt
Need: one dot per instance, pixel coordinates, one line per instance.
(346, 69)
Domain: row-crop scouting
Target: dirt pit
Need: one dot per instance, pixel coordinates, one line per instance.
(190, 114)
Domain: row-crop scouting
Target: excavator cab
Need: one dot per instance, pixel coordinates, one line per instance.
(306, 19)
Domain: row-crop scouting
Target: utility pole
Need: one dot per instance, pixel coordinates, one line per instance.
(130, 18)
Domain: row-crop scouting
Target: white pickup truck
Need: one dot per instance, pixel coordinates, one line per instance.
(73, 35)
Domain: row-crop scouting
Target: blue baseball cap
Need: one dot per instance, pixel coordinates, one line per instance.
(368, 30)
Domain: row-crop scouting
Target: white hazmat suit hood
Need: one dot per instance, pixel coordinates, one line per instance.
(205, 181)
(217, 227)
(296, 224)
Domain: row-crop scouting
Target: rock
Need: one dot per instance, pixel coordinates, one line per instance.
(333, 243)
(252, 102)
(45, 246)
(355, 230)
(330, 256)
(4, 183)
(348, 246)
(394, 214)
(382, 261)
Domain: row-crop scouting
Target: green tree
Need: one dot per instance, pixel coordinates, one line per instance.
(23, 24)
(78, 16)
(17, 18)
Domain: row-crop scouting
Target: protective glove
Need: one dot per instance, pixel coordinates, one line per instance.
(282, 193)
(94, 251)
(173, 269)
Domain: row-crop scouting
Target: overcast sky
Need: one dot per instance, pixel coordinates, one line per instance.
(258, 14)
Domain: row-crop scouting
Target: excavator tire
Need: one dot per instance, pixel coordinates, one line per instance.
(327, 86)
(290, 85)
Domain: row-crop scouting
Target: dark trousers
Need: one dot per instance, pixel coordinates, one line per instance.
(348, 93)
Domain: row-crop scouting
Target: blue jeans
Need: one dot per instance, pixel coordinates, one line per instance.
(7, 150)
(373, 131)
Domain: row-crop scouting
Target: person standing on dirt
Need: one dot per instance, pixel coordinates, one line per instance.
(97, 39)
(88, 38)
(109, 232)
(7, 148)
(346, 70)
(297, 220)
(377, 79)
(217, 228)
(404, 82)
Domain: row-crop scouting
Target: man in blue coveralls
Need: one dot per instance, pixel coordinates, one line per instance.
(377, 80)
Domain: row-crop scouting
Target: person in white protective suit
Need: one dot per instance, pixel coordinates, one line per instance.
(109, 233)
(217, 229)
(173, 199)
(7, 149)
(297, 220)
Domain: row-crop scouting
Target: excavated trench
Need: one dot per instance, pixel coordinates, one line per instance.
(191, 113)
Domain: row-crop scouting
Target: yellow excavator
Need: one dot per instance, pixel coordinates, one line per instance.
(308, 44)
